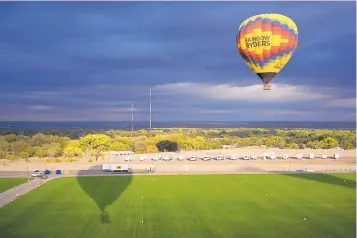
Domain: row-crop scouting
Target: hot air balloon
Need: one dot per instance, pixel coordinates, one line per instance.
(266, 43)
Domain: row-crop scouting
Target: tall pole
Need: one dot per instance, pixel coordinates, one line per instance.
(150, 108)
(132, 118)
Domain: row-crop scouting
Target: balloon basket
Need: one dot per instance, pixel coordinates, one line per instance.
(266, 87)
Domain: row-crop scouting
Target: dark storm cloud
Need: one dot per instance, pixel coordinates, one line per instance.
(96, 55)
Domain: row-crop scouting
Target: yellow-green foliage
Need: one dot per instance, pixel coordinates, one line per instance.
(144, 141)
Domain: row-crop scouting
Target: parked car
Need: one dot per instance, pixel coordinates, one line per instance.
(193, 158)
(220, 157)
(47, 172)
(234, 157)
(36, 173)
(207, 157)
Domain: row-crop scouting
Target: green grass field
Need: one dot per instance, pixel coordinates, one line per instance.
(7, 183)
(197, 206)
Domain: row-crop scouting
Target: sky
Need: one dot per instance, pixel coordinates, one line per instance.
(89, 61)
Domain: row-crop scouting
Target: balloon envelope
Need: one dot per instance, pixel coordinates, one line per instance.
(266, 43)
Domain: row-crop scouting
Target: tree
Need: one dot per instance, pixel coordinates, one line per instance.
(329, 142)
(10, 157)
(94, 144)
(151, 149)
(54, 149)
(37, 140)
(10, 138)
(118, 146)
(16, 147)
(40, 152)
(167, 145)
(275, 141)
(24, 155)
(292, 146)
(314, 144)
(72, 149)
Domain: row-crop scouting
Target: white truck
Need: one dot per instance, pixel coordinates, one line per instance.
(106, 167)
(119, 168)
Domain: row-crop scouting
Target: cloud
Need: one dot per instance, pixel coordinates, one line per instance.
(73, 62)
(280, 93)
(39, 108)
(342, 103)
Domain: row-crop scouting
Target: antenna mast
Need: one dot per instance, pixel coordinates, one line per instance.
(150, 108)
(132, 118)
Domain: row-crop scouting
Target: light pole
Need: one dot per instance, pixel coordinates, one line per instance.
(150, 107)
(132, 118)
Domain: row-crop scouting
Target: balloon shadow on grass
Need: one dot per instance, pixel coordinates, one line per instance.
(103, 187)
(324, 178)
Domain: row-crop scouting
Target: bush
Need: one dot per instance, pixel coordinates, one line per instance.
(10, 157)
(69, 160)
(90, 160)
(57, 160)
(48, 160)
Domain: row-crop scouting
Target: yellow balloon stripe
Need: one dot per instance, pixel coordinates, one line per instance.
(267, 42)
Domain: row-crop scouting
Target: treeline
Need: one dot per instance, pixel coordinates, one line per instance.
(14, 146)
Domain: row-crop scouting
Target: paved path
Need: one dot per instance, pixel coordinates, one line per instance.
(9, 195)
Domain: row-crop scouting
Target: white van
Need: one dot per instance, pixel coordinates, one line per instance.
(234, 157)
(220, 157)
(180, 158)
(206, 157)
(193, 158)
(246, 157)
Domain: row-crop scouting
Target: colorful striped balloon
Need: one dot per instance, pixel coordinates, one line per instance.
(266, 43)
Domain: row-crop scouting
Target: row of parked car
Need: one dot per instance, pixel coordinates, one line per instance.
(44, 174)
(270, 155)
